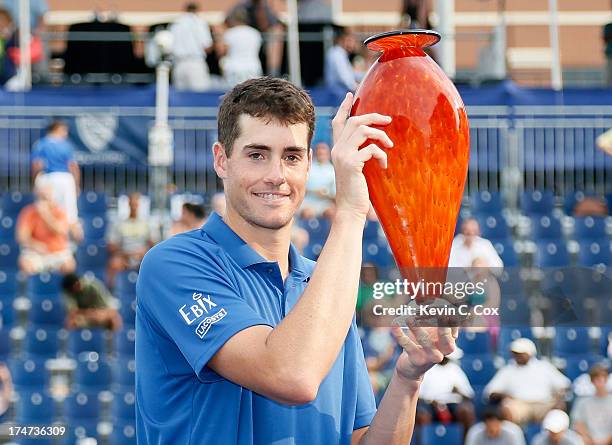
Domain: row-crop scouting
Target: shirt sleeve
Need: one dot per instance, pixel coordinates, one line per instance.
(463, 384)
(191, 297)
(498, 384)
(557, 380)
(366, 405)
(577, 414)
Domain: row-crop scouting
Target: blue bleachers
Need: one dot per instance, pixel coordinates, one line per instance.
(41, 342)
(5, 344)
(486, 202)
(571, 341)
(7, 227)
(92, 254)
(86, 340)
(13, 202)
(493, 227)
(124, 342)
(94, 227)
(92, 203)
(589, 228)
(439, 434)
(9, 252)
(479, 370)
(28, 374)
(35, 407)
(123, 406)
(123, 371)
(124, 433)
(125, 285)
(127, 310)
(47, 310)
(8, 282)
(505, 250)
(474, 343)
(537, 202)
(44, 283)
(577, 365)
(594, 252)
(378, 253)
(544, 227)
(92, 374)
(552, 254)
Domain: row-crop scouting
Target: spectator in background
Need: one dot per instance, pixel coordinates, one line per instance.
(607, 37)
(556, 430)
(53, 158)
(128, 241)
(193, 217)
(217, 203)
(7, 28)
(494, 430)
(42, 234)
(241, 48)
(365, 292)
(446, 394)
(527, 387)
(6, 391)
(340, 76)
(415, 14)
(321, 185)
(261, 17)
(88, 303)
(190, 44)
(591, 206)
(38, 9)
(592, 416)
(468, 246)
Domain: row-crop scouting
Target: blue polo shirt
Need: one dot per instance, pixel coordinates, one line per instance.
(55, 153)
(194, 292)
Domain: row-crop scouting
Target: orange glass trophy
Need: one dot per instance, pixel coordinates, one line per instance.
(417, 198)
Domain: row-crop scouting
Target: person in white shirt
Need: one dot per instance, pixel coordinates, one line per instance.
(191, 41)
(339, 73)
(555, 430)
(468, 246)
(241, 45)
(446, 394)
(494, 430)
(321, 185)
(592, 416)
(527, 387)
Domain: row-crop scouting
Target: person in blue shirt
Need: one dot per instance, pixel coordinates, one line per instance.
(241, 340)
(53, 157)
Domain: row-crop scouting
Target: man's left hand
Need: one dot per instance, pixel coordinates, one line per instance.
(423, 348)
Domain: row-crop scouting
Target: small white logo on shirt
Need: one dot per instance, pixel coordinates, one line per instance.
(204, 305)
(205, 324)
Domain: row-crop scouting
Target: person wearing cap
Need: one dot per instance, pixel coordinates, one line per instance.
(494, 430)
(555, 430)
(592, 416)
(527, 387)
(446, 394)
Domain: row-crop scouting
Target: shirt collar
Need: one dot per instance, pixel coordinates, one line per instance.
(244, 254)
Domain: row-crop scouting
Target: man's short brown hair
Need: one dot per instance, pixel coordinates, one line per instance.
(263, 97)
(598, 370)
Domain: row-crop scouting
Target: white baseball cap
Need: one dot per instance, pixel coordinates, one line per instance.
(523, 346)
(556, 421)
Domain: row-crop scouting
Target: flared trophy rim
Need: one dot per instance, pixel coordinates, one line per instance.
(375, 42)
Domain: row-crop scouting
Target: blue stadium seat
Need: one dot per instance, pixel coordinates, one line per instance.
(86, 340)
(124, 433)
(440, 434)
(47, 310)
(537, 202)
(609, 202)
(34, 441)
(7, 311)
(124, 342)
(123, 406)
(5, 344)
(378, 253)
(507, 334)
(79, 429)
(124, 370)
(479, 370)
(8, 282)
(127, 310)
(317, 228)
(544, 227)
(486, 202)
(35, 407)
(42, 342)
(7, 227)
(514, 310)
(511, 282)
(589, 228)
(594, 252)
(13, 202)
(92, 254)
(370, 231)
(313, 250)
(92, 203)
(551, 254)
(44, 283)
(82, 405)
(531, 431)
(96, 272)
(505, 250)
(125, 284)
(28, 374)
(474, 343)
(9, 252)
(577, 365)
(570, 341)
(493, 227)
(94, 227)
(92, 374)
(571, 199)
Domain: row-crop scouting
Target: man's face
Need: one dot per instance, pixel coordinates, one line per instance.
(600, 382)
(521, 358)
(265, 176)
(322, 153)
(471, 229)
(133, 201)
(493, 427)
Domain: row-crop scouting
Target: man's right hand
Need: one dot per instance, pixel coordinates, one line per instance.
(350, 133)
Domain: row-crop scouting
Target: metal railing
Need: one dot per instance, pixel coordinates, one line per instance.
(512, 148)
